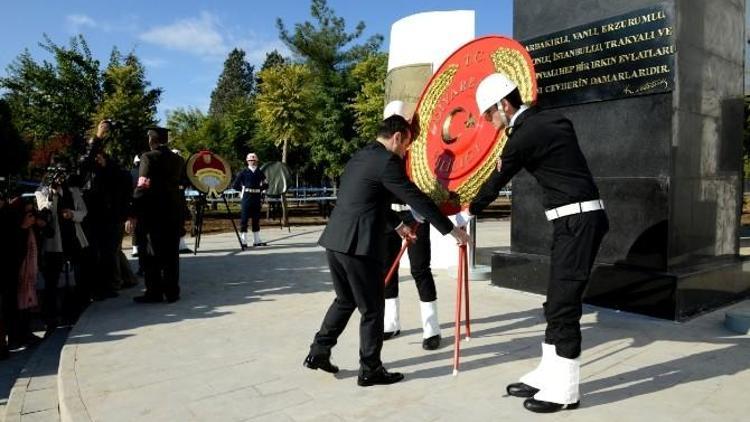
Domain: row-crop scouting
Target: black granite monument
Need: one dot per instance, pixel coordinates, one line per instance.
(655, 91)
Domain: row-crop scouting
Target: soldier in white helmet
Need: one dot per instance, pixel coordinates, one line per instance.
(251, 181)
(545, 144)
(419, 261)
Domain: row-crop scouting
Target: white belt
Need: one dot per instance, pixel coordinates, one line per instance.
(399, 207)
(251, 190)
(575, 208)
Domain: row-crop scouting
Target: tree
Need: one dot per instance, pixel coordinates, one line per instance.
(130, 103)
(283, 104)
(273, 58)
(369, 75)
(326, 47)
(54, 98)
(235, 83)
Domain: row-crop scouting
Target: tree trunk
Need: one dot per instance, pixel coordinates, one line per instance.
(283, 151)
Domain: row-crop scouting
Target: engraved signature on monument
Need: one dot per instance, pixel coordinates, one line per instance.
(648, 86)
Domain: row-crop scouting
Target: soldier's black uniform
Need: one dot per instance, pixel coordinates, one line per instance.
(251, 184)
(159, 205)
(545, 144)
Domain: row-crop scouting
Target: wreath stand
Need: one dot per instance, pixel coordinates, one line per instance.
(200, 209)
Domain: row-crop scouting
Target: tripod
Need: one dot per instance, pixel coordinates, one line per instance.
(200, 209)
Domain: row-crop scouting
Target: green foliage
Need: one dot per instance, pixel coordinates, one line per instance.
(55, 103)
(53, 98)
(128, 101)
(273, 58)
(322, 44)
(327, 48)
(283, 104)
(369, 75)
(235, 83)
(228, 135)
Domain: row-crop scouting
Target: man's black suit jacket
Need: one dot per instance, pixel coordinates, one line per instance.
(370, 180)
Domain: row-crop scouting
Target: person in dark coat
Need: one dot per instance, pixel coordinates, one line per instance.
(251, 182)
(545, 144)
(354, 244)
(158, 206)
(102, 189)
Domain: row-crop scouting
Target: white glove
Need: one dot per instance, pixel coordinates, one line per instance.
(463, 218)
(417, 216)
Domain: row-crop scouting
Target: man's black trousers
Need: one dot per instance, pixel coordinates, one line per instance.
(419, 261)
(161, 262)
(250, 210)
(358, 283)
(575, 243)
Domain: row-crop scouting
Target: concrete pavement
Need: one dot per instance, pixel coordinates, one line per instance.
(232, 348)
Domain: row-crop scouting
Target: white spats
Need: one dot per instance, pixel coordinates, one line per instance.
(391, 322)
(430, 325)
(536, 377)
(561, 380)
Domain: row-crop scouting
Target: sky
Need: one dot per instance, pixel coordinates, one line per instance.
(183, 43)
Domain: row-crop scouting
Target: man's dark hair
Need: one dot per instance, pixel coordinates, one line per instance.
(158, 135)
(393, 124)
(514, 98)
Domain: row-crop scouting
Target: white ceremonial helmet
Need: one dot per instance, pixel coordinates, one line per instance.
(492, 89)
(394, 107)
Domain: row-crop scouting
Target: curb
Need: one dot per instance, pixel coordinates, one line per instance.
(69, 399)
(14, 410)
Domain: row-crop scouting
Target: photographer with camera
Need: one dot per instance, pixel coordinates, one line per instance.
(61, 203)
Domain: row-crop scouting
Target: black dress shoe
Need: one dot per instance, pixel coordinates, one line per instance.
(431, 343)
(172, 299)
(148, 299)
(379, 377)
(390, 334)
(520, 389)
(320, 362)
(260, 244)
(540, 406)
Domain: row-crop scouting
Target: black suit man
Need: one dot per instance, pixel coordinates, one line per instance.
(159, 205)
(545, 144)
(354, 245)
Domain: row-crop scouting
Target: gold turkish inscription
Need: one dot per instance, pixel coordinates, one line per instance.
(575, 73)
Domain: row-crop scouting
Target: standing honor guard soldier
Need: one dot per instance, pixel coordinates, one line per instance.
(545, 144)
(250, 182)
(355, 244)
(158, 204)
(419, 262)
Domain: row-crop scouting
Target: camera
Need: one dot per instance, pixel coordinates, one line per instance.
(56, 175)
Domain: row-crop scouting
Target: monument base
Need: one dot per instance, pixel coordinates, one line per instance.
(675, 295)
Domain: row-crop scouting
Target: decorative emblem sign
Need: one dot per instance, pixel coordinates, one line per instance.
(209, 173)
(455, 150)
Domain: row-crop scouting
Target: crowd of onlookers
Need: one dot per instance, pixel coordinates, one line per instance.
(60, 249)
